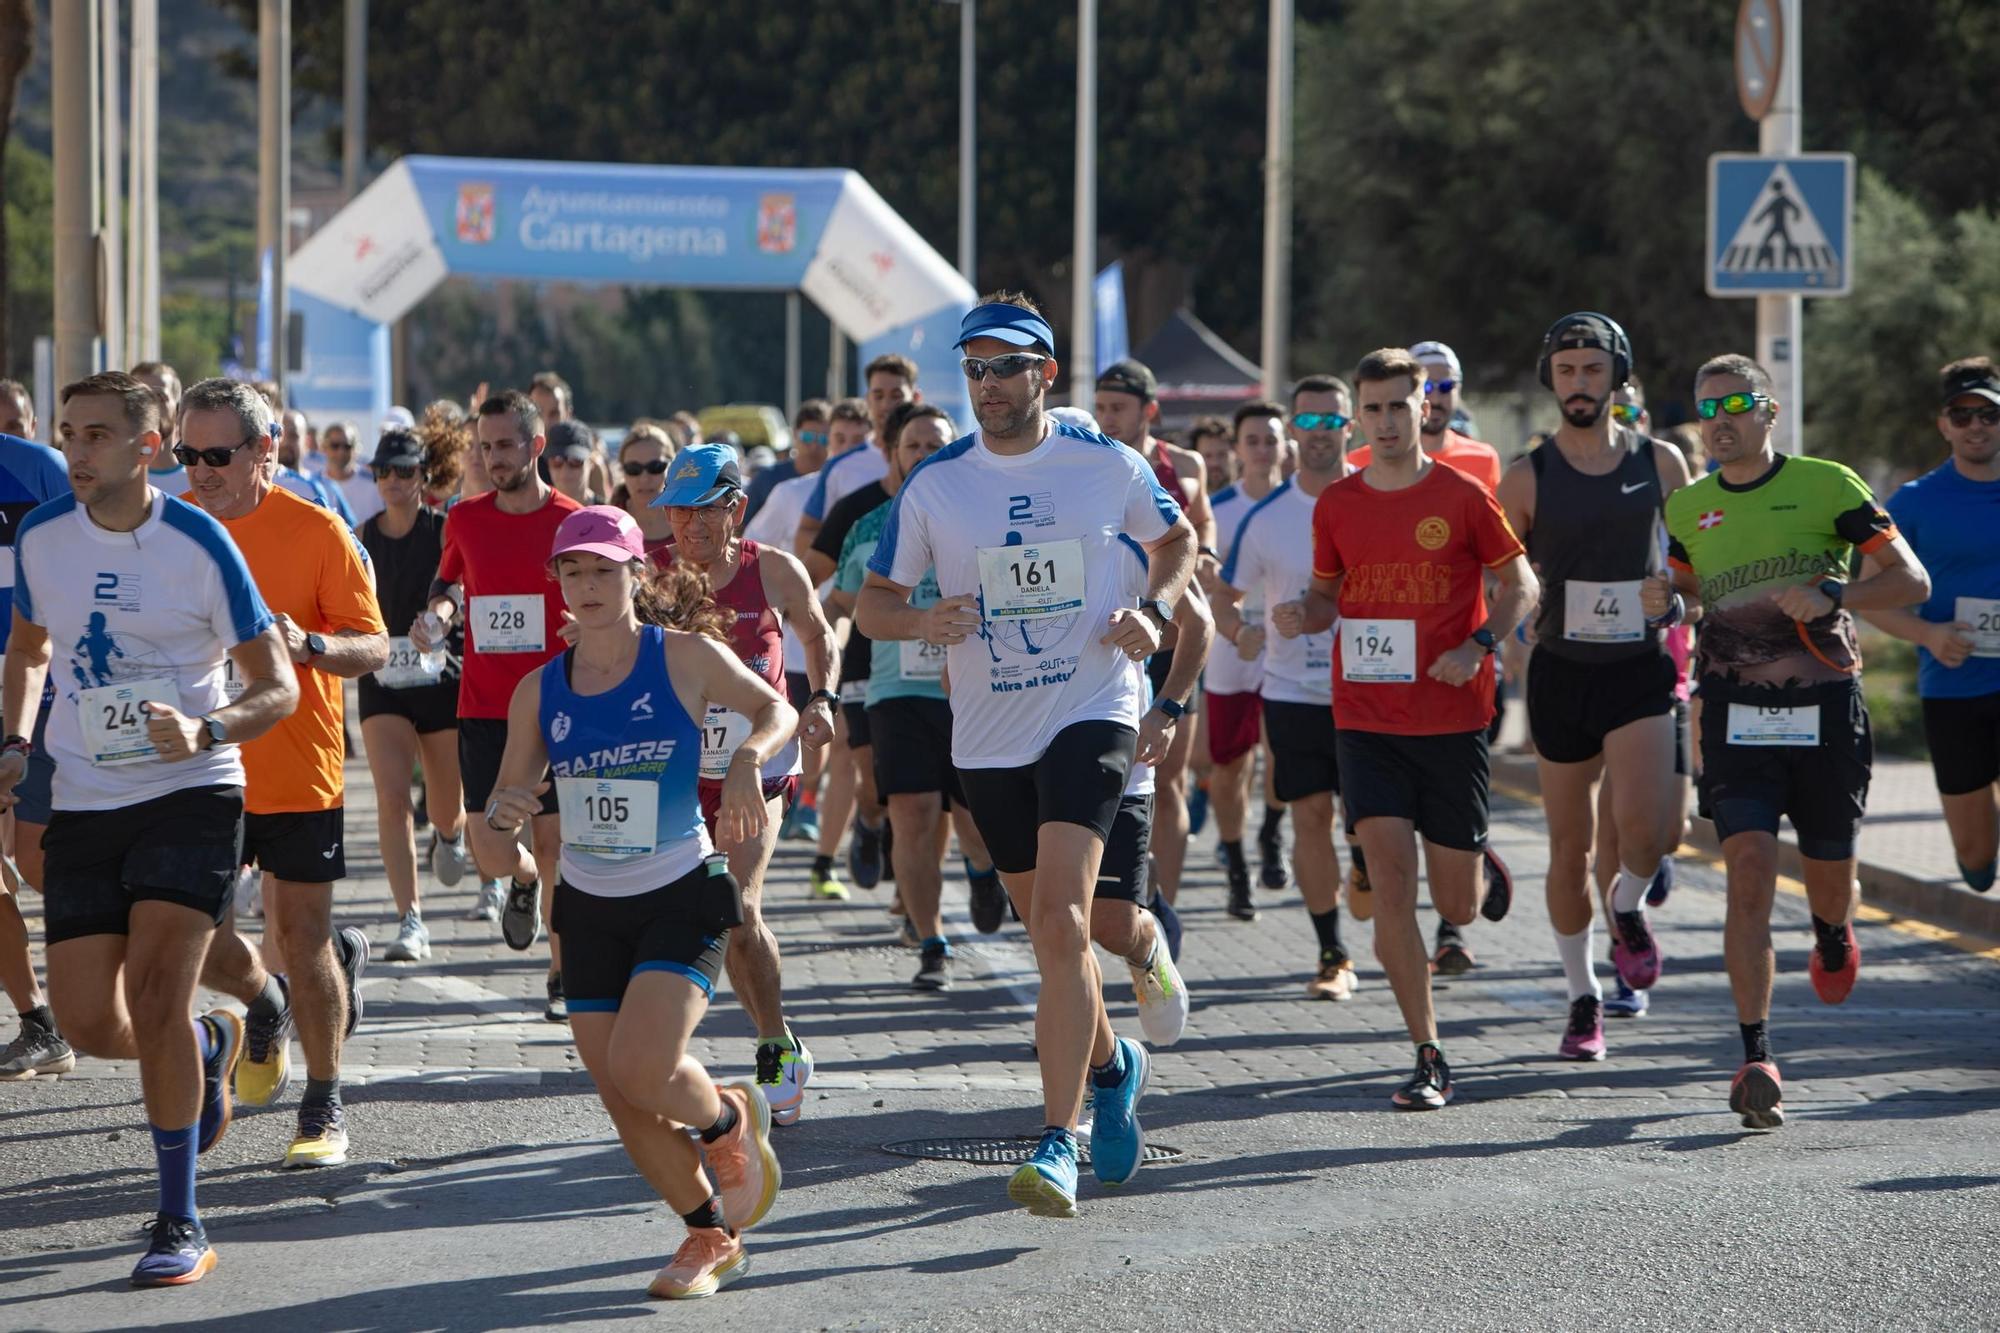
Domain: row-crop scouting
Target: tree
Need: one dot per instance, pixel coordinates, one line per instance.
(17, 49)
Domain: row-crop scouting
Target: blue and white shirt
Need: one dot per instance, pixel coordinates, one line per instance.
(843, 475)
(151, 613)
(1271, 562)
(1035, 538)
(31, 474)
(317, 491)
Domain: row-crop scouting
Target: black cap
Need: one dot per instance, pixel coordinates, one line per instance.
(1974, 379)
(399, 448)
(570, 439)
(1129, 376)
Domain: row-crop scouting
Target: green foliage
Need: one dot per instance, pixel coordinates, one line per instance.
(1889, 685)
(28, 194)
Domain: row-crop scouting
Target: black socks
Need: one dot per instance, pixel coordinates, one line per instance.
(1233, 853)
(723, 1124)
(1326, 925)
(321, 1092)
(708, 1215)
(1832, 942)
(1756, 1043)
(822, 865)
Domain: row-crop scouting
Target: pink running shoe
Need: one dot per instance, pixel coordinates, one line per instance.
(1584, 1040)
(1634, 951)
(1758, 1095)
(707, 1260)
(1835, 984)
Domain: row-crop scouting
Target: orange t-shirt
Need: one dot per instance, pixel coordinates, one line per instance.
(310, 567)
(1475, 458)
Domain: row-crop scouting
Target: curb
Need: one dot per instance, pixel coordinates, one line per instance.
(1938, 903)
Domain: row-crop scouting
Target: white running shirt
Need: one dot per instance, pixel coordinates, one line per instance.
(841, 476)
(1035, 537)
(1272, 563)
(1227, 673)
(163, 603)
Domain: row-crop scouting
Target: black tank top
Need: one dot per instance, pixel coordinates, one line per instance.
(1592, 540)
(404, 569)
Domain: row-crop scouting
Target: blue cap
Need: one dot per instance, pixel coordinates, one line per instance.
(702, 475)
(1008, 323)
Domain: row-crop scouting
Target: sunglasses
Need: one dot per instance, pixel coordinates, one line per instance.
(1003, 367)
(812, 437)
(1965, 416)
(1319, 420)
(407, 471)
(1735, 404)
(1627, 413)
(566, 462)
(332, 445)
(656, 467)
(187, 457)
(1440, 386)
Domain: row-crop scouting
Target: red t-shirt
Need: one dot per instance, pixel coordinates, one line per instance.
(1475, 458)
(501, 562)
(1414, 562)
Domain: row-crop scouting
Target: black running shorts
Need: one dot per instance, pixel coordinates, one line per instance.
(682, 928)
(1822, 789)
(1964, 736)
(1573, 706)
(912, 751)
(305, 847)
(429, 708)
(183, 848)
(1078, 780)
(1438, 783)
(482, 742)
(1121, 875)
(1305, 757)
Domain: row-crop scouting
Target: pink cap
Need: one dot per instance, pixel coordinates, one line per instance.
(600, 530)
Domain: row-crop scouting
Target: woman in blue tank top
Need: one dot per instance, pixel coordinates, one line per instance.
(644, 905)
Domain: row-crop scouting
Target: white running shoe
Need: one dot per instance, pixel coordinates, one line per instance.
(491, 898)
(413, 940)
(449, 859)
(1162, 995)
(782, 1074)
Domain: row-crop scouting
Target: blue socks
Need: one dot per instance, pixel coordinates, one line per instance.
(1112, 1072)
(173, 1150)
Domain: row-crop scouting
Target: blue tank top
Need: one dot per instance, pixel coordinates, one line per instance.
(614, 755)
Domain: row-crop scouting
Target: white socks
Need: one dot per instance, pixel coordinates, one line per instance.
(1628, 891)
(1575, 951)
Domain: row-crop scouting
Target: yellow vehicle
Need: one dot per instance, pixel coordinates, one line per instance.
(752, 424)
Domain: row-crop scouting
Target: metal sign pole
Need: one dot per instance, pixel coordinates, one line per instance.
(1779, 347)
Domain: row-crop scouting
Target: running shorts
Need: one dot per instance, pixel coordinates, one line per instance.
(182, 848)
(482, 741)
(1964, 736)
(1121, 874)
(1078, 780)
(913, 754)
(305, 847)
(1438, 783)
(429, 708)
(1573, 706)
(1822, 789)
(1305, 754)
(1234, 722)
(680, 928)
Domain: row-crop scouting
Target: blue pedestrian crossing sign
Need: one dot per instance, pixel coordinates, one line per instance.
(1780, 226)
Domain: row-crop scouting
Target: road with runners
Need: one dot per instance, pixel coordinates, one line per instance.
(486, 1190)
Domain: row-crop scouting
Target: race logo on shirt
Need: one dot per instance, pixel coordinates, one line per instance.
(1433, 533)
(1031, 511)
(102, 657)
(559, 728)
(119, 590)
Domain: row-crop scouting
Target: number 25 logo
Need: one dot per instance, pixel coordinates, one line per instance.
(107, 588)
(1020, 508)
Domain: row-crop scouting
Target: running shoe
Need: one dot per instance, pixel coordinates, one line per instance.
(557, 1008)
(1453, 957)
(521, 918)
(491, 899)
(350, 947)
(35, 1050)
(413, 940)
(906, 933)
(1170, 921)
(1161, 994)
(1045, 1184)
(783, 1070)
(178, 1254)
(1634, 951)
(322, 1137)
(1758, 1095)
(788, 827)
(826, 885)
(1834, 977)
(1624, 1002)
(989, 901)
(1197, 806)
(934, 968)
(250, 891)
(1117, 1139)
(1584, 1038)
(1499, 887)
(805, 823)
(449, 859)
(1335, 980)
(1240, 905)
(707, 1261)
(1271, 861)
(742, 1161)
(1429, 1088)
(1663, 883)
(1360, 893)
(216, 1072)
(864, 854)
(266, 1068)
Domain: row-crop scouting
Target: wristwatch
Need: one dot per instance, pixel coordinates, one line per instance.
(1160, 607)
(832, 699)
(1173, 708)
(1833, 590)
(315, 647)
(20, 745)
(218, 733)
(1484, 638)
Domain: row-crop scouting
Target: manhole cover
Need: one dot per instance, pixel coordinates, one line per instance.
(1004, 1151)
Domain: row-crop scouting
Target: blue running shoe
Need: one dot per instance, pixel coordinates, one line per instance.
(217, 1072)
(1117, 1141)
(1663, 883)
(1626, 1002)
(1170, 922)
(1045, 1184)
(1197, 811)
(179, 1254)
(864, 854)
(805, 823)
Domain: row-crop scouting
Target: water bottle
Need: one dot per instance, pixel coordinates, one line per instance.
(434, 660)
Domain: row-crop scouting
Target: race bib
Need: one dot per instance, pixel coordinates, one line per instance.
(1983, 614)
(722, 735)
(854, 691)
(1603, 612)
(610, 817)
(512, 624)
(405, 669)
(232, 681)
(922, 661)
(1045, 580)
(114, 725)
(1378, 652)
(1750, 724)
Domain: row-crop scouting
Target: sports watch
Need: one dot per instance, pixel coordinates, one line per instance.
(1173, 708)
(1484, 638)
(218, 733)
(1160, 607)
(315, 647)
(1833, 590)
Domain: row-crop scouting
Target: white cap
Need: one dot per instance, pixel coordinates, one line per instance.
(1076, 416)
(1432, 353)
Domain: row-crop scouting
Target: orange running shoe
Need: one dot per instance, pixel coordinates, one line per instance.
(746, 1170)
(709, 1259)
(1835, 984)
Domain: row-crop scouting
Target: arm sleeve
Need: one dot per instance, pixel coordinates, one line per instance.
(1859, 520)
(346, 591)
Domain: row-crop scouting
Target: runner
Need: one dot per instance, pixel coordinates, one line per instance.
(354, 481)
(1127, 404)
(1021, 521)
(1601, 698)
(1234, 715)
(910, 721)
(17, 410)
(286, 462)
(30, 475)
(409, 709)
(572, 449)
(644, 905)
(141, 850)
(313, 574)
(761, 587)
(492, 579)
(163, 474)
(1765, 543)
(644, 456)
(1400, 550)
(1949, 517)
(1271, 565)
(1212, 438)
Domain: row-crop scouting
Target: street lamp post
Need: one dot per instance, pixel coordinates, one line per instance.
(1278, 203)
(1083, 245)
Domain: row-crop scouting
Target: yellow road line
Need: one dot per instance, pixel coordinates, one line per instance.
(1975, 945)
